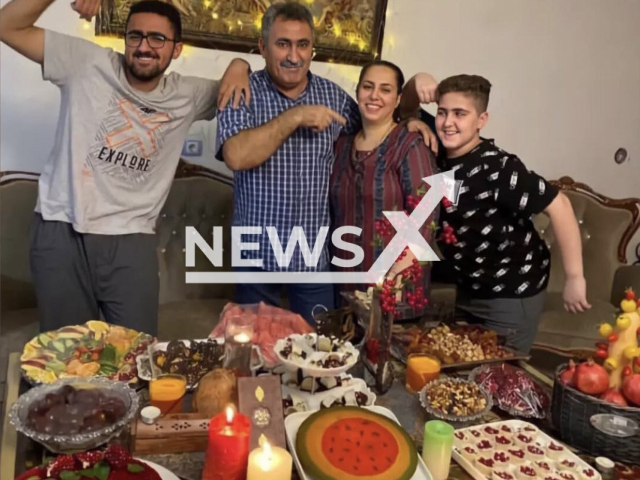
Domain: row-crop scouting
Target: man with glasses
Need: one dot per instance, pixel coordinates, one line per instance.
(121, 128)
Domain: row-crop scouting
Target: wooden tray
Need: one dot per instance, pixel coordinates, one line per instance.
(399, 351)
(174, 433)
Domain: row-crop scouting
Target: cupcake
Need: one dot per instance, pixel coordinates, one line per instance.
(523, 440)
(506, 429)
(526, 472)
(545, 467)
(489, 431)
(535, 453)
(484, 447)
(503, 443)
(517, 455)
(502, 475)
(485, 465)
(566, 475)
(587, 473)
(555, 451)
(501, 459)
(469, 453)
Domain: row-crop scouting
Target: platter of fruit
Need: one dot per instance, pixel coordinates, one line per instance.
(112, 463)
(512, 389)
(454, 345)
(93, 349)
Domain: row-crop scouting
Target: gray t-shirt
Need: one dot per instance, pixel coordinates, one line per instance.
(116, 149)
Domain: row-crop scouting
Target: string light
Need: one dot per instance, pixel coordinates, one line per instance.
(214, 15)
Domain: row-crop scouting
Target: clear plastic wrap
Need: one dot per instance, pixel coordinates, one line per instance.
(512, 390)
(269, 325)
(73, 442)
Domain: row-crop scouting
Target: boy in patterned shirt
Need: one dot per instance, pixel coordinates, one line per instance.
(497, 258)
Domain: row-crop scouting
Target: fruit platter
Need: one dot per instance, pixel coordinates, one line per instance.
(512, 389)
(351, 442)
(455, 346)
(93, 349)
(316, 355)
(516, 450)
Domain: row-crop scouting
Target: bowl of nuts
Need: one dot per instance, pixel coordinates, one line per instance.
(455, 400)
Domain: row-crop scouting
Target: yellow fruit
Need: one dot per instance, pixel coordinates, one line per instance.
(29, 352)
(623, 322)
(98, 327)
(605, 329)
(631, 352)
(610, 364)
(628, 306)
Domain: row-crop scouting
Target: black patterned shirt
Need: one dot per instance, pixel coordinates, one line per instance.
(498, 253)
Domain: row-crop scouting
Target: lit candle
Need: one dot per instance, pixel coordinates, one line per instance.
(269, 463)
(242, 337)
(228, 447)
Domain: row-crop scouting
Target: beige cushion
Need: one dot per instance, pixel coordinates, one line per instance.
(565, 331)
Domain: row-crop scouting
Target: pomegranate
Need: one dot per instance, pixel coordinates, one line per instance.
(591, 378)
(631, 388)
(614, 396)
(567, 375)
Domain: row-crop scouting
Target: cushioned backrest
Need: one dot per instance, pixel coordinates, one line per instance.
(602, 228)
(201, 203)
(17, 201)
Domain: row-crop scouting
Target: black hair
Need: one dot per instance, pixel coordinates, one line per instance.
(383, 63)
(159, 8)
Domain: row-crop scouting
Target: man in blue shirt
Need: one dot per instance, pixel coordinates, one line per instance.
(281, 150)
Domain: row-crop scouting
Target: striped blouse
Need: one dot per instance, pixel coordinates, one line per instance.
(364, 184)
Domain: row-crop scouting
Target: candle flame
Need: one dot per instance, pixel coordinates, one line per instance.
(242, 337)
(230, 413)
(266, 451)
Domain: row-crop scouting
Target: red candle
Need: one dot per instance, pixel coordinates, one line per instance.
(228, 448)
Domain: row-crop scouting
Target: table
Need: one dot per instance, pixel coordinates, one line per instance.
(18, 453)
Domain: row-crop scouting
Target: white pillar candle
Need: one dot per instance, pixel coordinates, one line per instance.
(269, 463)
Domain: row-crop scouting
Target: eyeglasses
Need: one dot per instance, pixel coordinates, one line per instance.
(155, 40)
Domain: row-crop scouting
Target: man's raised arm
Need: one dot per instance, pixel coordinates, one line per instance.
(17, 19)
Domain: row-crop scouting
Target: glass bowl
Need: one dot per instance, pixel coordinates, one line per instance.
(457, 421)
(87, 440)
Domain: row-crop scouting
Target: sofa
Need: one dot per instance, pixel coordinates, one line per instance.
(202, 198)
(607, 226)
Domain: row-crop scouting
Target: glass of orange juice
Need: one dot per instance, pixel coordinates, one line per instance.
(421, 369)
(167, 392)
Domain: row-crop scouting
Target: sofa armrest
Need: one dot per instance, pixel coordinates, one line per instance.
(625, 277)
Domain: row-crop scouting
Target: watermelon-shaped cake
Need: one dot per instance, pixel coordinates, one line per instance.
(352, 443)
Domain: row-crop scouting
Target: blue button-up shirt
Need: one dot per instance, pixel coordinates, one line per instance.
(291, 188)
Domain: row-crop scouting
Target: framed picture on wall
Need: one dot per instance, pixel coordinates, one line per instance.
(347, 31)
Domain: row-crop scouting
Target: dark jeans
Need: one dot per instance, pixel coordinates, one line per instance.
(78, 275)
(303, 297)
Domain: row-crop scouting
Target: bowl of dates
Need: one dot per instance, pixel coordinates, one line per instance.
(74, 413)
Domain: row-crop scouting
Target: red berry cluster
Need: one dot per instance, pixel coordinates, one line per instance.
(388, 302)
(383, 227)
(416, 299)
(412, 201)
(448, 235)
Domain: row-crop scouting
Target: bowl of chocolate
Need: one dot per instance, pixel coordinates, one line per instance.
(75, 414)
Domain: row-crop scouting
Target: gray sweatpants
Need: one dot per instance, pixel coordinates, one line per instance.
(78, 275)
(515, 318)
